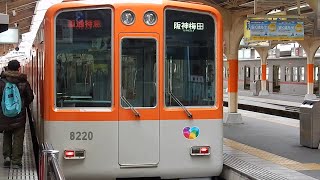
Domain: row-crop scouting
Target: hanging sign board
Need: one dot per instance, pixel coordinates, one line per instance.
(4, 22)
(261, 30)
(247, 42)
(11, 36)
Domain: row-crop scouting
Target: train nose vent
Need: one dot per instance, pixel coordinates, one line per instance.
(200, 151)
(75, 154)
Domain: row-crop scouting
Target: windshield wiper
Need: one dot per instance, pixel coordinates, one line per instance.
(136, 113)
(180, 104)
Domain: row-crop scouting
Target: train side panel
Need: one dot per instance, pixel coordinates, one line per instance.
(284, 75)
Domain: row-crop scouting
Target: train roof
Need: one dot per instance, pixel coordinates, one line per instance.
(116, 1)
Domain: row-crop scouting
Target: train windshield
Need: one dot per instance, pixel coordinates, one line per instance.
(189, 59)
(83, 58)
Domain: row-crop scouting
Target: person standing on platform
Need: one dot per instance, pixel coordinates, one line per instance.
(14, 127)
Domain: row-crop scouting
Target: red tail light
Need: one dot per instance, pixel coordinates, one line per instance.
(200, 151)
(74, 154)
(204, 150)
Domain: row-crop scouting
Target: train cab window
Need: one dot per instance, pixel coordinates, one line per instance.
(190, 65)
(83, 58)
(138, 72)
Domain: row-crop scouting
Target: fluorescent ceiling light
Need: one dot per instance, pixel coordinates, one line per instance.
(302, 6)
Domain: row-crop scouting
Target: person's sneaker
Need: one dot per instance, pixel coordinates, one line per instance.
(16, 166)
(7, 162)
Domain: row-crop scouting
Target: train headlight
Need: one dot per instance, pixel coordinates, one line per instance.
(150, 18)
(127, 17)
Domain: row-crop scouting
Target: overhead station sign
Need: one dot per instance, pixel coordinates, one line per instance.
(11, 36)
(264, 30)
(4, 22)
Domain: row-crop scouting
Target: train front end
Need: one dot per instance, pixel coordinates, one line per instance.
(134, 89)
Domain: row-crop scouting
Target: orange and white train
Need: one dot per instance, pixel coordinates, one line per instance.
(130, 88)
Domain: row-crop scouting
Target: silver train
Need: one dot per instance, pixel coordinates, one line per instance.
(287, 75)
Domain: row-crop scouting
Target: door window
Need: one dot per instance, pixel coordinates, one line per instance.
(138, 72)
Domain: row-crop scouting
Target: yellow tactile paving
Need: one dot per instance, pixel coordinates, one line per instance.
(288, 163)
(301, 167)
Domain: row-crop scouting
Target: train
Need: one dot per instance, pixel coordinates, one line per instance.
(286, 75)
(130, 89)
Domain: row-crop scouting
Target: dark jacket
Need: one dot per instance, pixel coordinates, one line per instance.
(26, 93)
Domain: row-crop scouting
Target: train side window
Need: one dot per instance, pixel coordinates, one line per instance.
(301, 73)
(247, 71)
(295, 74)
(190, 70)
(83, 58)
(287, 76)
(257, 73)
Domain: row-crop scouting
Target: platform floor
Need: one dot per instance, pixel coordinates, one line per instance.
(28, 170)
(272, 142)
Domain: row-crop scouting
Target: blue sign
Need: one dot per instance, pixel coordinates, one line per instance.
(275, 30)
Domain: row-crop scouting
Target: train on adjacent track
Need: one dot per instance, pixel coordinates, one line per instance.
(130, 89)
(286, 75)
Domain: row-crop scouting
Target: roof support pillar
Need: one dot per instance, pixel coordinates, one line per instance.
(263, 52)
(233, 32)
(313, 4)
(310, 45)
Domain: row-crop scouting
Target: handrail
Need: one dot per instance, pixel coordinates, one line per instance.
(49, 164)
(58, 173)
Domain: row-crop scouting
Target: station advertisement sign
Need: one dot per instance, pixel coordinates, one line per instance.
(247, 42)
(263, 30)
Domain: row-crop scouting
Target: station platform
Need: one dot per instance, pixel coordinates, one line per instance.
(276, 104)
(268, 146)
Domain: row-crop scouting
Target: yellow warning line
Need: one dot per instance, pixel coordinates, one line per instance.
(288, 163)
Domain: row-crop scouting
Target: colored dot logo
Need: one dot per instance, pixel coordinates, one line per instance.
(191, 132)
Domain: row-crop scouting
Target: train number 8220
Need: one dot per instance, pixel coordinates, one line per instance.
(84, 136)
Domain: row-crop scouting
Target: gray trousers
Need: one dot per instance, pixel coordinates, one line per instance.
(13, 144)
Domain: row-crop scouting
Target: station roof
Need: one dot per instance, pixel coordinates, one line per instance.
(26, 15)
(20, 16)
(22, 12)
(308, 8)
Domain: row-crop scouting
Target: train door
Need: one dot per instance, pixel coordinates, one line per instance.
(139, 133)
(247, 77)
(276, 78)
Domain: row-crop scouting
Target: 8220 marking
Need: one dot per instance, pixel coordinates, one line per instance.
(84, 136)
